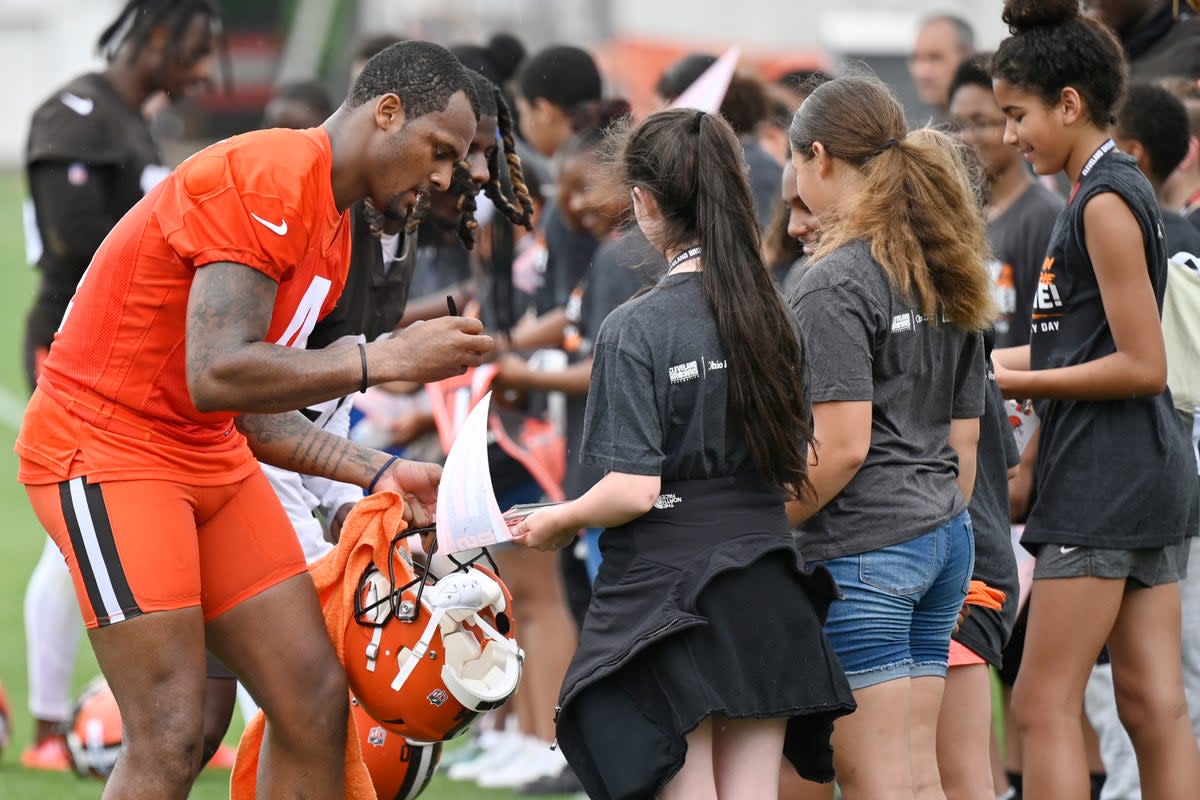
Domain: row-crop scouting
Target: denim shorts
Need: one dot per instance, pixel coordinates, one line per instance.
(899, 605)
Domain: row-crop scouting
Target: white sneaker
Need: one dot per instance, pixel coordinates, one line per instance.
(535, 760)
(496, 754)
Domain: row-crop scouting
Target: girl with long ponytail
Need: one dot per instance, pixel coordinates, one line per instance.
(703, 644)
(890, 311)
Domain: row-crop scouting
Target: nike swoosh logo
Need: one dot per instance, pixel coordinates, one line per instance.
(80, 105)
(1065, 550)
(280, 229)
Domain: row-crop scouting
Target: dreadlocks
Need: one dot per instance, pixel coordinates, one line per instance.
(462, 185)
(508, 192)
(139, 18)
(495, 188)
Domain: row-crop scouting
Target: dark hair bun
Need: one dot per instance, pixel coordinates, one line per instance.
(1024, 15)
(507, 53)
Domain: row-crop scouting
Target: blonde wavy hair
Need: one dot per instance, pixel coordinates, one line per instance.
(917, 206)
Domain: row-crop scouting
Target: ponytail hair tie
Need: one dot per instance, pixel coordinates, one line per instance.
(888, 145)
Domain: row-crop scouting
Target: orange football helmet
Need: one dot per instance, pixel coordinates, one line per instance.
(95, 736)
(400, 769)
(427, 654)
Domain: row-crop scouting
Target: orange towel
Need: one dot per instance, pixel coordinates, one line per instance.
(366, 536)
(980, 594)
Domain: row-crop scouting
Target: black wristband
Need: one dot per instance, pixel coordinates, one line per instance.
(362, 354)
(378, 475)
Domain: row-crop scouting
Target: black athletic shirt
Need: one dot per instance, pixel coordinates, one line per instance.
(569, 252)
(89, 158)
(1019, 237)
(986, 631)
(1114, 473)
(376, 290)
(1182, 238)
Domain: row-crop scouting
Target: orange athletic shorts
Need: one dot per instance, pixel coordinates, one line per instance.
(155, 545)
(963, 656)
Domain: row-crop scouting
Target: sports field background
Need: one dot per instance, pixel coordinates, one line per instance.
(21, 541)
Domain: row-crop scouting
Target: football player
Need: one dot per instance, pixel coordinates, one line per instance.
(178, 364)
(90, 156)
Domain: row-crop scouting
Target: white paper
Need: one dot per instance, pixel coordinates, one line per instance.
(467, 513)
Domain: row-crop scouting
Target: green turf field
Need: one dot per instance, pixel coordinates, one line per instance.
(21, 543)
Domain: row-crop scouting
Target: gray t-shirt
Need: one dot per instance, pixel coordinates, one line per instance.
(864, 343)
(1019, 238)
(659, 400)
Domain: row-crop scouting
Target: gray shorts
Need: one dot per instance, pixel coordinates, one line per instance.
(1152, 566)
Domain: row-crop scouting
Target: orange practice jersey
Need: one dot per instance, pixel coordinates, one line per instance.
(112, 402)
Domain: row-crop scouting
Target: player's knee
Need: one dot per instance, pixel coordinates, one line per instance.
(170, 751)
(324, 706)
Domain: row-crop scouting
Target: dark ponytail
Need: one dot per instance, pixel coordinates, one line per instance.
(693, 165)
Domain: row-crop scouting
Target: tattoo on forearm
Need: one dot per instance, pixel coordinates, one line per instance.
(290, 441)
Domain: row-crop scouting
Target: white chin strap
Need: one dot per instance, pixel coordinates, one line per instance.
(456, 599)
(377, 588)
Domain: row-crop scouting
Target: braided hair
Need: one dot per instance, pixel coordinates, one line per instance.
(511, 197)
(517, 208)
(139, 18)
(462, 185)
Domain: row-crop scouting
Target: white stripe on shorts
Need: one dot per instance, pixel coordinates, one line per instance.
(83, 516)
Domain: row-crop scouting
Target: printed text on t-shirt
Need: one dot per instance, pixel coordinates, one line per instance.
(1047, 302)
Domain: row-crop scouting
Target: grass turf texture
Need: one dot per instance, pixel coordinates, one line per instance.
(21, 544)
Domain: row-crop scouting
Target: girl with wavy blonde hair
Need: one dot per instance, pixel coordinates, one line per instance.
(891, 313)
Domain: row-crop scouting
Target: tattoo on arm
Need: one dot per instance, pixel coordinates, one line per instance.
(229, 365)
(229, 306)
(289, 441)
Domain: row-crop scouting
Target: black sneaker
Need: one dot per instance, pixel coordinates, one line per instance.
(564, 782)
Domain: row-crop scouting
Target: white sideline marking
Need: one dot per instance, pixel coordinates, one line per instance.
(12, 409)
